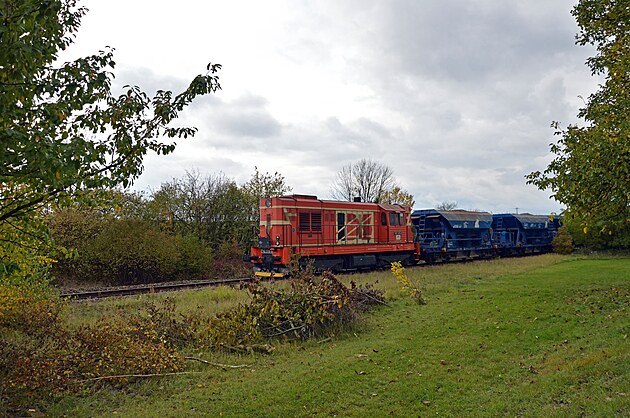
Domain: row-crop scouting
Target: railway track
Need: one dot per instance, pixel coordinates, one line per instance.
(166, 287)
(149, 288)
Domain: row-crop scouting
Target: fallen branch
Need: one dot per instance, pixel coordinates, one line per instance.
(294, 328)
(224, 366)
(259, 348)
(382, 302)
(124, 376)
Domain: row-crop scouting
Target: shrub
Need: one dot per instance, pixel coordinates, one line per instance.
(126, 251)
(72, 229)
(562, 242)
(160, 323)
(310, 308)
(194, 257)
(43, 358)
(132, 252)
(228, 262)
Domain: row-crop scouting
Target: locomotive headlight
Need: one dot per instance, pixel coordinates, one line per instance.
(277, 239)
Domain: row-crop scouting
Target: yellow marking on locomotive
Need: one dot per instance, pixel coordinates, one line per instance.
(275, 223)
(288, 215)
(270, 274)
(354, 230)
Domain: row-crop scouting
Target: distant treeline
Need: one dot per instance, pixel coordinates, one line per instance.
(195, 227)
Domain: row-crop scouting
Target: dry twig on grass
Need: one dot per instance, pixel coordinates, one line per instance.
(224, 366)
(125, 376)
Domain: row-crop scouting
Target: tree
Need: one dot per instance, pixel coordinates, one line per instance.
(266, 185)
(396, 195)
(211, 207)
(61, 128)
(591, 171)
(260, 186)
(367, 179)
(446, 205)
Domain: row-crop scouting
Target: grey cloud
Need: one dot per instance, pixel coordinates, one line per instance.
(241, 122)
(254, 124)
(163, 169)
(246, 116)
(475, 86)
(472, 41)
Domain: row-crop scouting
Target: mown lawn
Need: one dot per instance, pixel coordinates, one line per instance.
(538, 336)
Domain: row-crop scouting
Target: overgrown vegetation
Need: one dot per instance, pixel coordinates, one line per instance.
(532, 336)
(42, 357)
(309, 308)
(112, 249)
(563, 242)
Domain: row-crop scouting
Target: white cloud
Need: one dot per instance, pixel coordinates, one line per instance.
(457, 97)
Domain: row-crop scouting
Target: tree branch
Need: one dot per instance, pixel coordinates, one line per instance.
(125, 376)
(223, 366)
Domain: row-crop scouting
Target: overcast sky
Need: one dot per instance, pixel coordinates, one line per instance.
(456, 96)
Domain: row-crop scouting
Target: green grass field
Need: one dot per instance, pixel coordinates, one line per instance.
(535, 336)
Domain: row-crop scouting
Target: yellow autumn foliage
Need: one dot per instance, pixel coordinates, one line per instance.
(23, 270)
(406, 285)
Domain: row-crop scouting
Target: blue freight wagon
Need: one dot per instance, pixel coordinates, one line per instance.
(519, 234)
(453, 234)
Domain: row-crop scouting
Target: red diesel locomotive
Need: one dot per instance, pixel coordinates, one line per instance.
(333, 235)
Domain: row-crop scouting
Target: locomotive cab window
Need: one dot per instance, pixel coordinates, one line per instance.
(393, 219)
(341, 226)
(383, 219)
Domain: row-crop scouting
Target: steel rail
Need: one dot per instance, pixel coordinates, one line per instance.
(166, 287)
(149, 288)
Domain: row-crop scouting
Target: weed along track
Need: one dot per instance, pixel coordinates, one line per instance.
(131, 290)
(149, 288)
